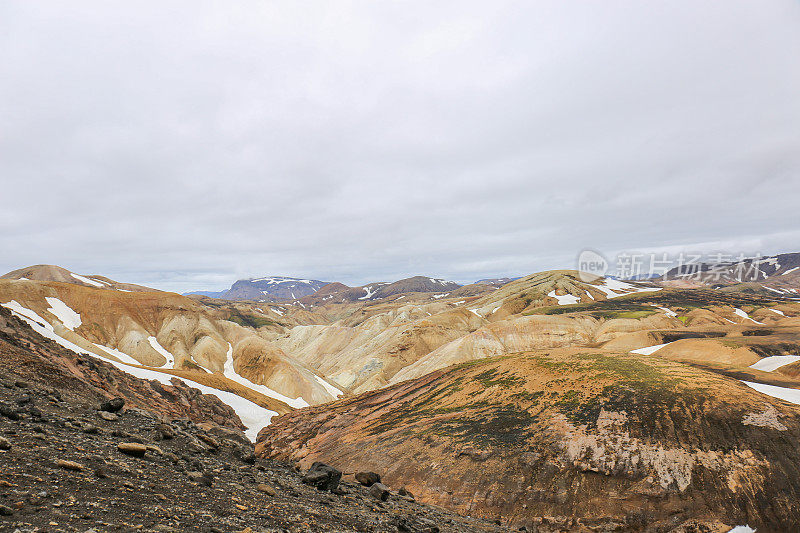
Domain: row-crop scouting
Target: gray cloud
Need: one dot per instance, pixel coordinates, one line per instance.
(184, 146)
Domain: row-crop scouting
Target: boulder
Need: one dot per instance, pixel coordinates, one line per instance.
(368, 478)
(323, 476)
(113, 405)
(379, 491)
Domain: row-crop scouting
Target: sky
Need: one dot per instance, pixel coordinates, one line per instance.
(184, 145)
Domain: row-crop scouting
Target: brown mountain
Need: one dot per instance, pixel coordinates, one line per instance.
(619, 442)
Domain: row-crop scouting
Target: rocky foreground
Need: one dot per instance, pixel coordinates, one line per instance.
(67, 466)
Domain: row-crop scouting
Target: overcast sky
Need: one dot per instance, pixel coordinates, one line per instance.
(184, 145)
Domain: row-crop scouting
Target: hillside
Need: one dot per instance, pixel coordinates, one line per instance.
(556, 433)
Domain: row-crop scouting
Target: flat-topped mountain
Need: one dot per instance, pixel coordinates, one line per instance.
(267, 289)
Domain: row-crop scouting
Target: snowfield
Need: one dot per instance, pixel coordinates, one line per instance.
(784, 393)
(769, 364)
(64, 313)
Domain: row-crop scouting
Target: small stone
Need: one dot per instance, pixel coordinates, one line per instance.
(165, 431)
(203, 478)
(5, 444)
(404, 492)
(69, 465)
(110, 417)
(368, 478)
(267, 489)
(6, 511)
(113, 405)
(379, 491)
(89, 429)
(134, 449)
(24, 399)
(8, 411)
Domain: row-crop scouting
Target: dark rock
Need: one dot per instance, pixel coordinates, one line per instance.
(89, 429)
(379, 491)
(165, 431)
(405, 493)
(24, 399)
(113, 405)
(204, 478)
(5, 444)
(368, 478)
(245, 454)
(322, 476)
(6, 511)
(9, 412)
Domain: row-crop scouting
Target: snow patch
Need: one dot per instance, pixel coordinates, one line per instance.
(565, 299)
(739, 312)
(86, 280)
(777, 312)
(160, 349)
(64, 313)
(774, 362)
(783, 393)
(333, 391)
(649, 350)
(790, 271)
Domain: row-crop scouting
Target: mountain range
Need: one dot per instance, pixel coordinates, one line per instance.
(558, 401)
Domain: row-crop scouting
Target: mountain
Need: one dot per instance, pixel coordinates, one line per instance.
(56, 273)
(779, 273)
(161, 336)
(271, 361)
(618, 442)
(266, 289)
(169, 458)
(340, 293)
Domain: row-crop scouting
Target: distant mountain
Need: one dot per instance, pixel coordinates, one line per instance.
(776, 274)
(495, 282)
(269, 289)
(338, 292)
(62, 275)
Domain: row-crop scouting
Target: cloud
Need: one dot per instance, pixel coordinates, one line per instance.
(184, 146)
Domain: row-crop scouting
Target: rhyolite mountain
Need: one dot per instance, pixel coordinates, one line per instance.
(268, 360)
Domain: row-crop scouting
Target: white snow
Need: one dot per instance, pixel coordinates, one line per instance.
(669, 312)
(496, 308)
(333, 391)
(231, 374)
(63, 313)
(784, 393)
(86, 280)
(436, 296)
(742, 529)
(649, 350)
(744, 315)
(565, 299)
(777, 312)
(160, 349)
(278, 311)
(476, 313)
(122, 356)
(369, 291)
(455, 303)
(790, 271)
(398, 299)
(774, 362)
(589, 294)
(611, 285)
